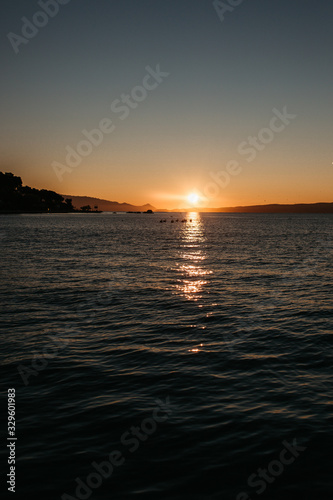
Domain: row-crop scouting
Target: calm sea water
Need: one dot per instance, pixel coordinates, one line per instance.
(190, 354)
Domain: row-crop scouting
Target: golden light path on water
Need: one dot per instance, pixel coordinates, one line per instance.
(193, 255)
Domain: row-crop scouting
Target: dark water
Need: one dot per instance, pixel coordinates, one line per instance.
(210, 340)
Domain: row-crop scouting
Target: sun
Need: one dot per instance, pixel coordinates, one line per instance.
(193, 198)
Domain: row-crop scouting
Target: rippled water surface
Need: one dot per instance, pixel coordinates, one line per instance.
(196, 350)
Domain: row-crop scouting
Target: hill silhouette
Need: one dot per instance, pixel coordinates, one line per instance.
(114, 206)
(16, 198)
(300, 208)
(109, 206)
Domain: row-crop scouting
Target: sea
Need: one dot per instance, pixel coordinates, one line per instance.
(179, 360)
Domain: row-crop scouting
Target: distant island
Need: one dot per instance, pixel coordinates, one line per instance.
(16, 198)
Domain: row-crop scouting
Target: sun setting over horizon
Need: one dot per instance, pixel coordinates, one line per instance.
(193, 199)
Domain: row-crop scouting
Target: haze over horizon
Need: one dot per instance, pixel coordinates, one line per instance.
(185, 207)
(236, 111)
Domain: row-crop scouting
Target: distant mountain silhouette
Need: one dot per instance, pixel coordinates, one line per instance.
(114, 206)
(108, 206)
(301, 208)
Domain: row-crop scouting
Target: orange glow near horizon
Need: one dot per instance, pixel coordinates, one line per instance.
(176, 188)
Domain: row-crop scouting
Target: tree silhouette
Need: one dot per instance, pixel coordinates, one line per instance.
(86, 208)
(17, 198)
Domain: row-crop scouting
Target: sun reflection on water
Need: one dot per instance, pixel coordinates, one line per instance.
(193, 256)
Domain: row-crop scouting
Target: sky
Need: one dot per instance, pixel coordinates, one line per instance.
(230, 103)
